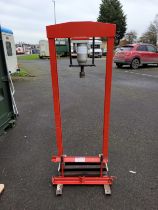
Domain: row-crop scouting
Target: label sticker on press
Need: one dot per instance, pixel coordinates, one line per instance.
(80, 159)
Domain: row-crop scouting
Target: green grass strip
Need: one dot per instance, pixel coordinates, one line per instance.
(28, 57)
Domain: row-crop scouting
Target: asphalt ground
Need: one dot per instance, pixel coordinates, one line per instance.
(26, 150)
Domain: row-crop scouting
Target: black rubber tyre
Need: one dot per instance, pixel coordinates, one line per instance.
(119, 65)
(135, 63)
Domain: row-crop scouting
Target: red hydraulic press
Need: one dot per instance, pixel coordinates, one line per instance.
(82, 31)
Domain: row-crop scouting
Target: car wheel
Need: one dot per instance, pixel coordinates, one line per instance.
(119, 65)
(135, 63)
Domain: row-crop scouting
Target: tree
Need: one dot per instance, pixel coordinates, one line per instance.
(150, 36)
(156, 25)
(111, 12)
(156, 22)
(131, 36)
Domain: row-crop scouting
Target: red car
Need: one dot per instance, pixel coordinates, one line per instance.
(136, 55)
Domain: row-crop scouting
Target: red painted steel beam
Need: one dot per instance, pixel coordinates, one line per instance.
(80, 38)
(106, 180)
(81, 29)
(107, 97)
(78, 159)
(56, 95)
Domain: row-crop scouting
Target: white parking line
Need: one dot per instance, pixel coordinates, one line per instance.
(147, 75)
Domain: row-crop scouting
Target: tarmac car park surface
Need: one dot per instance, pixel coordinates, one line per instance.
(26, 150)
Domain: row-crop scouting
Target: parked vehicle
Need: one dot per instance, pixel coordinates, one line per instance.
(8, 108)
(19, 50)
(97, 48)
(9, 49)
(136, 55)
(117, 49)
(44, 49)
(61, 48)
(104, 51)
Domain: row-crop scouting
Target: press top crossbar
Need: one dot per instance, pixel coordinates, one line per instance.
(81, 29)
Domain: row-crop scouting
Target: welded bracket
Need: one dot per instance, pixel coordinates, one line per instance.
(59, 189)
(107, 189)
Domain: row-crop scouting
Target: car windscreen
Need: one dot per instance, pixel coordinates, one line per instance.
(125, 48)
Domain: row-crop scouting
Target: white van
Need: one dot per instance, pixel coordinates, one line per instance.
(9, 49)
(44, 49)
(97, 48)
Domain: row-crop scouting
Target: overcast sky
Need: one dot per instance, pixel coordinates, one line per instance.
(28, 18)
